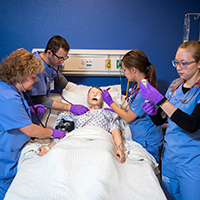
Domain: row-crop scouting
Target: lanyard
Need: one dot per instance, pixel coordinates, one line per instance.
(184, 98)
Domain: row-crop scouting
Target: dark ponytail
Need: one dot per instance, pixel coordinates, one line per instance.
(139, 60)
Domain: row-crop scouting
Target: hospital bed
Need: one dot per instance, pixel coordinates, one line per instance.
(83, 165)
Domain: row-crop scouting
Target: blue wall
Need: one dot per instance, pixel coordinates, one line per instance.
(153, 26)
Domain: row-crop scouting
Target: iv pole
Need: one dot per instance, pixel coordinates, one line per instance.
(186, 27)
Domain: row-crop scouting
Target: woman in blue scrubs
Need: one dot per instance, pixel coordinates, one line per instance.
(17, 74)
(136, 66)
(181, 106)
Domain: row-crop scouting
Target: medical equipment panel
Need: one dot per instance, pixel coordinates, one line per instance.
(92, 62)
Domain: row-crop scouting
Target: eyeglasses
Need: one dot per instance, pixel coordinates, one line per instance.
(182, 64)
(60, 58)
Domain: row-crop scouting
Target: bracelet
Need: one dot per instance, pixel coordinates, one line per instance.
(46, 147)
(161, 101)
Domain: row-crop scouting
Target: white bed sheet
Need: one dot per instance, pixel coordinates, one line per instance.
(83, 166)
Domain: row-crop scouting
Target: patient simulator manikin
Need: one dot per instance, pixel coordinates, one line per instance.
(104, 118)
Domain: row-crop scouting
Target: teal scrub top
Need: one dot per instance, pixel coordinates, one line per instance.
(14, 114)
(44, 79)
(181, 147)
(143, 130)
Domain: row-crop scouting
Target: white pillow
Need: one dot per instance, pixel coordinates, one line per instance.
(77, 94)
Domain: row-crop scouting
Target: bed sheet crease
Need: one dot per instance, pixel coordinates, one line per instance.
(83, 166)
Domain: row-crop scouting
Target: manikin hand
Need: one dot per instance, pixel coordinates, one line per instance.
(39, 108)
(150, 93)
(106, 97)
(149, 108)
(58, 133)
(42, 151)
(78, 109)
(121, 154)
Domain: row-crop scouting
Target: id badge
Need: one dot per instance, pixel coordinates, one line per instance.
(52, 85)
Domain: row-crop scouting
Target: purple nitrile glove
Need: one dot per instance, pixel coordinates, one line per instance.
(106, 97)
(149, 108)
(150, 93)
(78, 109)
(58, 133)
(39, 108)
(110, 109)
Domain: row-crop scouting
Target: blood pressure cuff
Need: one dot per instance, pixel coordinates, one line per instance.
(62, 81)
(65, 125)
(42, 99)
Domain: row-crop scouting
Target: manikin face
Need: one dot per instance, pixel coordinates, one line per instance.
(94, 97)
(54, 59)
(28, 83)
(184, 55)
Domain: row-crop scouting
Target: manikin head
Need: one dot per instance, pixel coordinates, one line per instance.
(94, 98)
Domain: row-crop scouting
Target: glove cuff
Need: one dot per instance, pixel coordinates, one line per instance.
(71, 108)
(161, 101)
(110, 103)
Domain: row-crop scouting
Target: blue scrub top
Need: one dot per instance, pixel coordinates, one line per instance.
(143, 130)
(42, 85)
(181, 147)
(14, 114)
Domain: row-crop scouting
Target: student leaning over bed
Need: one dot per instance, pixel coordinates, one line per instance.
(17, 74)
(106, 119)
(136, 66)
(181, 156)
(55, 53)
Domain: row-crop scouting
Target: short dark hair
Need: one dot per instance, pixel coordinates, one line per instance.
(57, 42)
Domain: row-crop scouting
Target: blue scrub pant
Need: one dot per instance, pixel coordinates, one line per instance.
(4, 185)
(180, 184)
(154, 151)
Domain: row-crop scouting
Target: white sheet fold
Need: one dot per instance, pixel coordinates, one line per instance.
(83, 166)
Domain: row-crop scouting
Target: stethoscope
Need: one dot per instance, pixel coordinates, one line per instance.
(184, 98)
(57, 70)
(33, 105)
(133, 93)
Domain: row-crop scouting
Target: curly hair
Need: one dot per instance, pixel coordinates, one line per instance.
(18, 66)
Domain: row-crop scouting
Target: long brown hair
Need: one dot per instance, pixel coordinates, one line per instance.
(139, 60)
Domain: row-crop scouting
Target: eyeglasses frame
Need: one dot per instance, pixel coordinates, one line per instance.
(60, 58)
(186, 63)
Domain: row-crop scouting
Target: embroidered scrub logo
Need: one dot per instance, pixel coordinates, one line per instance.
(172, 94)
(165, 179)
